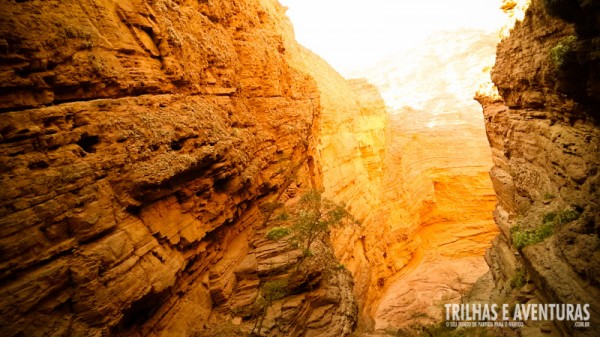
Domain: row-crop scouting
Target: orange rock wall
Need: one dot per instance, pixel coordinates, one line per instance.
(423, 244)
(439, 223)
(421, 190)
(350, 152)
(138, 139)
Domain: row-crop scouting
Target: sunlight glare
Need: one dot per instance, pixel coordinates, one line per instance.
(352, 34)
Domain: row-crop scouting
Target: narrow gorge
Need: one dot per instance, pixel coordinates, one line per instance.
(187, 168)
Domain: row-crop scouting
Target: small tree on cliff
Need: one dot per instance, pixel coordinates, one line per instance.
(313, 216)
(309, 219)
(316, 215)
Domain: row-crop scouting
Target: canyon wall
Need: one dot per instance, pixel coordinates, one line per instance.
(440, 211)
(141, 142)
(351, 136)
(416, 179)
(427, 237)
(349, 151)
(543, 130)
(144, 143)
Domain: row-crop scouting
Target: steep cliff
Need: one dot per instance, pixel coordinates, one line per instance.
(350, 153)
(545, 141)
(139, 142)
(145, 144)
(427, 237)
(439, 202)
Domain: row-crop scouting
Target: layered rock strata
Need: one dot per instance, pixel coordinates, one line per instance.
(138, 140)
(545, 141)
(441, 216)
(427, 237)
(350, 152)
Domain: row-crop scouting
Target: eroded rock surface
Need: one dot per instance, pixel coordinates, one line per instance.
(350, 149)
(138, 140)
(427, 238)
(545, 143)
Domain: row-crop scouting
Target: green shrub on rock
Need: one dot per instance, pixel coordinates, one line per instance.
(524, 237)
(278, 233)
(274, 290)
(563, 50)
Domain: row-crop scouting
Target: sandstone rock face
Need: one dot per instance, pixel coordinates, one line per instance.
(424, 243)
(441, 218)
(351, 137)
(352, 143)
(141, 139)
(545, 142)
(138, 140)
(350, 153)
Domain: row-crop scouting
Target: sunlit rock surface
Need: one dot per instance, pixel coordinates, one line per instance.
(351, 153)
(138, 140)
(435, 220)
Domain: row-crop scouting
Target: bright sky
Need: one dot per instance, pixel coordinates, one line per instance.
(353, 34)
